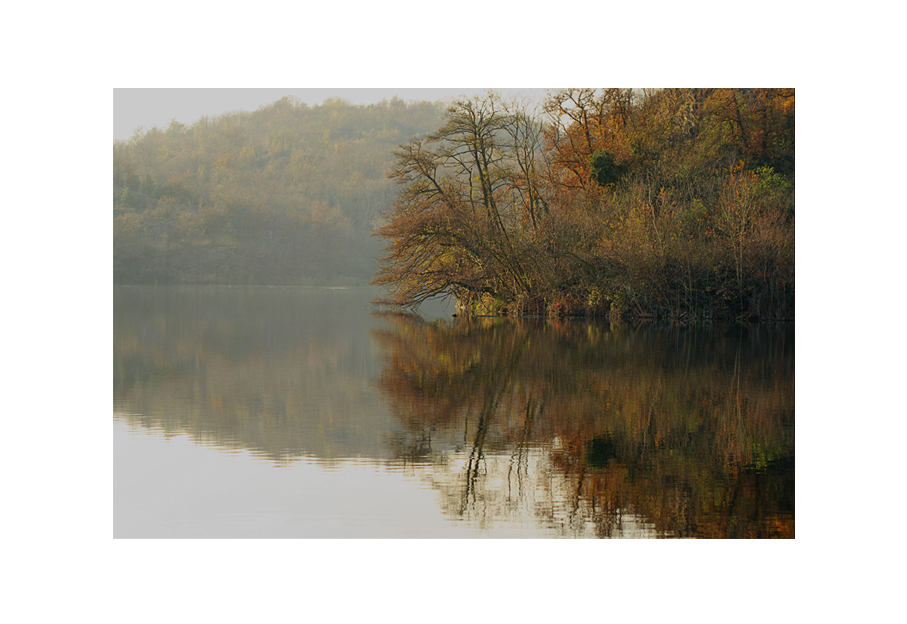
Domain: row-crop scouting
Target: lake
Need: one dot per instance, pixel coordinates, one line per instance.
(270, 412)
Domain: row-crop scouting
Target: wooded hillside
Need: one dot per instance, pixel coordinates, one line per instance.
(665, 203)
(287, 194)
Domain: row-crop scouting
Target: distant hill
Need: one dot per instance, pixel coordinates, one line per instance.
(288, 194)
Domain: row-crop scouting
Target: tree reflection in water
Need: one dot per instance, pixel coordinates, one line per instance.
(601, 429)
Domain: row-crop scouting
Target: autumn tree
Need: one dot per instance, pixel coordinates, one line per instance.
(468, 204)
(662, 198)
(582, 122)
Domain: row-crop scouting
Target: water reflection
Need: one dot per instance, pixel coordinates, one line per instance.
(671, 431)
(516, 427)
(282, 372)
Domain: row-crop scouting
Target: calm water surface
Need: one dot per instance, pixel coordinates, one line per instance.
(301, 412)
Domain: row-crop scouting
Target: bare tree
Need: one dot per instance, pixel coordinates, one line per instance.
(467, 192)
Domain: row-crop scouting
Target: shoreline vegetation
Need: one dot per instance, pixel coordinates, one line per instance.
(617, 203)
(675, 204)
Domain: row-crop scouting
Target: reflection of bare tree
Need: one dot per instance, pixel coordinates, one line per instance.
(519, 457)
(501, 370)
(680, 431)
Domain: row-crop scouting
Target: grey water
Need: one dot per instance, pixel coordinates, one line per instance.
(305, 412)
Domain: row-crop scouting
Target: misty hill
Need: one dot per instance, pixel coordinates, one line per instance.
(288, 194)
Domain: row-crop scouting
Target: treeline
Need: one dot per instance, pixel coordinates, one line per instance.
(671, 203)
(288, 194)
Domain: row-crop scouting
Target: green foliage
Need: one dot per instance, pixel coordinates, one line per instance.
(603, 168)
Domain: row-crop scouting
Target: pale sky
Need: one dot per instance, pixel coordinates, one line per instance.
(157, 107)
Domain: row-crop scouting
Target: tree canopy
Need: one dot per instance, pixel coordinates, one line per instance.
(674, 202)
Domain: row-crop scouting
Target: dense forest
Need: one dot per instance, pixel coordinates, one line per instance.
(674, 203)
(287, 194)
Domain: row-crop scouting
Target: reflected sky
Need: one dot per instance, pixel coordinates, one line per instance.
(179, 487)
